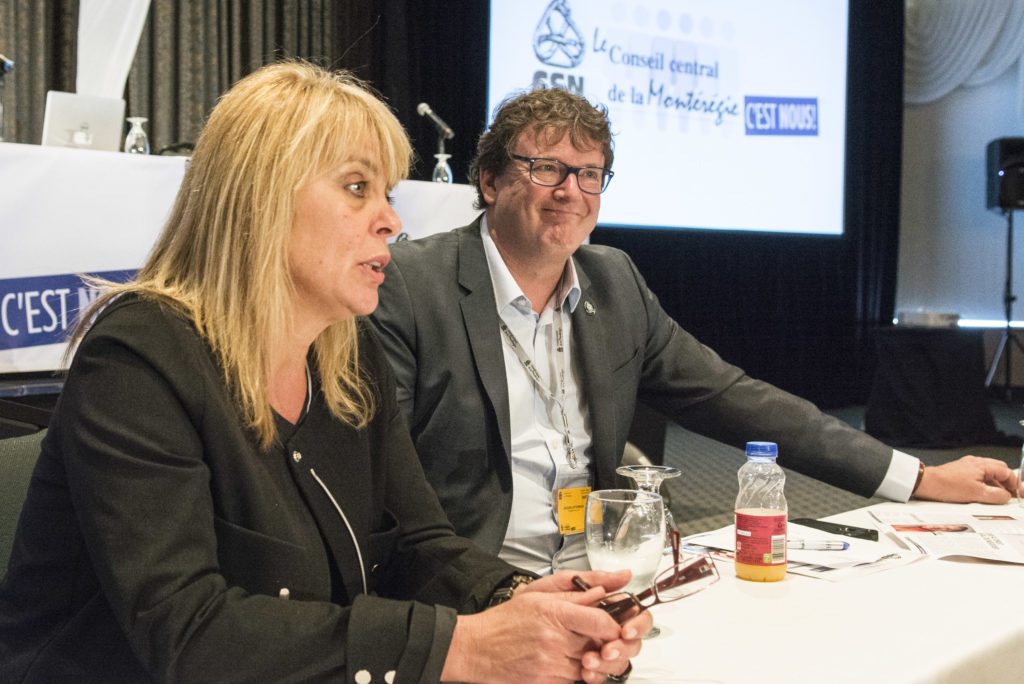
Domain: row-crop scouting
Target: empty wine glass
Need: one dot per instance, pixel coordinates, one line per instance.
(625, 529)
(442, 171)
(649, 479)
(1020, 475)
(136, 142)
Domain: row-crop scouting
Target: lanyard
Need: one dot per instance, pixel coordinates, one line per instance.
(531, 370)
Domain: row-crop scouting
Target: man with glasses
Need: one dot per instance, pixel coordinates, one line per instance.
(520, 355)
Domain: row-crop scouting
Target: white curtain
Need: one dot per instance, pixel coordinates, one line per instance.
(108, 35)
(950, 43)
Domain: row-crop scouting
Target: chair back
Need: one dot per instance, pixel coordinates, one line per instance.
(18, 418)
(18, 457)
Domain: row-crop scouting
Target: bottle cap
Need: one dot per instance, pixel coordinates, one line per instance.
(762, 449)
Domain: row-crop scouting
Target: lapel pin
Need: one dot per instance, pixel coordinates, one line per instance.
(589, 308)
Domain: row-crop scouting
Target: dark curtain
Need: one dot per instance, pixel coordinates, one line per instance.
(874, 129)
(434, 51)
(193, 50)
(41, 37)
(189, 53)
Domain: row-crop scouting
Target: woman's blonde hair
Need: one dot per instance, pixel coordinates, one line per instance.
(222, 258)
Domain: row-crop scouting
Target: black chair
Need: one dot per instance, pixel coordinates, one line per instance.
(17, 461)
(18, 418)
(178, 149)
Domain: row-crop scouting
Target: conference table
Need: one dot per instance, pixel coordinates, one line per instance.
(934, 620)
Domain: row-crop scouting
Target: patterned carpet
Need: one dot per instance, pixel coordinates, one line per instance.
(703, 497)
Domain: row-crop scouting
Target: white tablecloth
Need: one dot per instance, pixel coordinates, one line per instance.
(931, 621)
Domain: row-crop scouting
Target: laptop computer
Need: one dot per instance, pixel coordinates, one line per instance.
(85, 121)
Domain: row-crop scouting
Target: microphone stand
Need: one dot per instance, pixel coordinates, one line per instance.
(1009, 336)
(1, 105)
(6, 65)
(442, 170)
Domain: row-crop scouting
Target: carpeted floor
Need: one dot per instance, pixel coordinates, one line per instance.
(703, 497)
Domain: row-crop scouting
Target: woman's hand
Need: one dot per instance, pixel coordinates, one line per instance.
(548, 632)
(611, 658)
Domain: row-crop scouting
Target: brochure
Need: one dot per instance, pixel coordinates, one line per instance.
(943, 530)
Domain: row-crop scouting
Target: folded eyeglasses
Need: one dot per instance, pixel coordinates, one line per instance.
(688, 575)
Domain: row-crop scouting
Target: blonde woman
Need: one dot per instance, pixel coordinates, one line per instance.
(227, 491)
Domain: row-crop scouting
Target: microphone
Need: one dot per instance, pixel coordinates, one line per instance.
(5, 65)
(423, 109)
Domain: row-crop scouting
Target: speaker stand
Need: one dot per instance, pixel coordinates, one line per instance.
(1009, 337)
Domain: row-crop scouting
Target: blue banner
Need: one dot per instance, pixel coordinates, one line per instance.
(42, 309)
(780, 115)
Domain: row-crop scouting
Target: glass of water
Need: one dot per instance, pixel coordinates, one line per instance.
(625, 529)
(1020, 477)
(1020, 474)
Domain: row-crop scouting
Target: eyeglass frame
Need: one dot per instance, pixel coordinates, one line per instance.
(682, 573)
(606, 174)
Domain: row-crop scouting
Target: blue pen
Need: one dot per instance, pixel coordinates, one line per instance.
(817, 545)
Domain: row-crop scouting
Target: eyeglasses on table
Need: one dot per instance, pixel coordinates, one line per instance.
(689, 574)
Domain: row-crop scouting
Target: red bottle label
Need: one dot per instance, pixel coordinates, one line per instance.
(760, 539)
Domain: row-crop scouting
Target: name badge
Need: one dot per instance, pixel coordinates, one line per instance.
(572, 502)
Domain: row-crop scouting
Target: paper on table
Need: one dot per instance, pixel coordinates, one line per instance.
(863, 557)
(943, 530)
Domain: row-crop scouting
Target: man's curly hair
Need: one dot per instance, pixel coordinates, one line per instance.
(552, 113)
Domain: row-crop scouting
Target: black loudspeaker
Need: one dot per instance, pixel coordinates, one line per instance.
(1004, 159)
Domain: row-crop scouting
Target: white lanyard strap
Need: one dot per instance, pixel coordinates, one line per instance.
(531, 370)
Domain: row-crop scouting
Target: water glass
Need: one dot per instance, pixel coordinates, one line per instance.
(625, 529)
(1020, 477)
(649, 478)
(136, 142)
(442, 170)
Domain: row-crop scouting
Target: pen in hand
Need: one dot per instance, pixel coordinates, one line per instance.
(817, 545)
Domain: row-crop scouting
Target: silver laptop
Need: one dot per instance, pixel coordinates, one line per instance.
(86, 121)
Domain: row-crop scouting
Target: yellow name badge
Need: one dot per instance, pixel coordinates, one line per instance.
(572, 502)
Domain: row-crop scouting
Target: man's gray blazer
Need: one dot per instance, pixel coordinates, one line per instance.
(438, 322)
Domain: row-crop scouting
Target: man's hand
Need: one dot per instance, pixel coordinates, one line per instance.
(969, 479)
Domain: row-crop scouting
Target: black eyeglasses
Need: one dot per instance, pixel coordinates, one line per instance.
(592, 180)
(688, 575)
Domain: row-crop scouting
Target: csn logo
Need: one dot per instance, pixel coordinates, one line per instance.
(558, 42)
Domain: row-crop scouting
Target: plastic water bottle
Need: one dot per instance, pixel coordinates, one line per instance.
(761, 516)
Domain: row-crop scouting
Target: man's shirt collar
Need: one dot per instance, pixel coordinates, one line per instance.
(507, 291)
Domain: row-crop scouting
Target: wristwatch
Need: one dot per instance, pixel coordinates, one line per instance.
(504, 592)
(920, 476)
